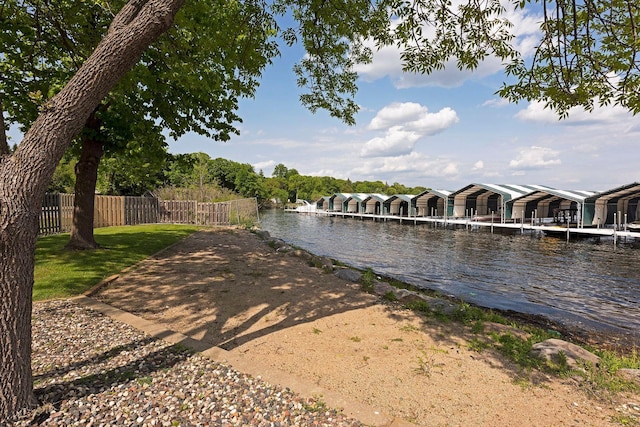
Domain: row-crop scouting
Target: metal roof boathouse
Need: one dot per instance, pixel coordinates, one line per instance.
(618, 206)
(434, 203)
(540, 207)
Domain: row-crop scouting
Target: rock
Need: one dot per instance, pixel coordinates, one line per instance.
(349, 275)
(263, 234)
(406, 296)
(382, 288)
(277, 243)
(574, 354)
(301, 254)
(284, 249)
(440, 305)
(326, 263)
(632, 375)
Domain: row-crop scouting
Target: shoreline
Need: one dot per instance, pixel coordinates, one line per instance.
(577, 326)
(616, 340)
(273, 312)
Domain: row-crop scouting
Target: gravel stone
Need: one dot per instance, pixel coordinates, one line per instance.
(90, 370)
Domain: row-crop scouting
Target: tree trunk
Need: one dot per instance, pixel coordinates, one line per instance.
(85, 189)
(17, 243)
(25, 174)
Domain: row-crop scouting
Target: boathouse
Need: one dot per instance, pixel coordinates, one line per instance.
(617, 206)
(434, 203)
(374, 203)
(488, 199)
(337, 202)
(400, 204)
(548, 204)
(322, 203)
(353, 204)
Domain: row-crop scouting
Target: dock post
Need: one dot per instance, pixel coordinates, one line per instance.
(491, 222)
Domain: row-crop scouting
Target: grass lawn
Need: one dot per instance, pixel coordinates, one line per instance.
(60, 273)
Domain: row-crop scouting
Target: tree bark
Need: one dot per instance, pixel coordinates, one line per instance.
(25, 174)
(86, 177)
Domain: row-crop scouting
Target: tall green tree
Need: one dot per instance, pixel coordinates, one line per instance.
(25, 174)
(189, 80)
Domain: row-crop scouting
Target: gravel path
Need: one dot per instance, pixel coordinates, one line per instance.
(92, 371)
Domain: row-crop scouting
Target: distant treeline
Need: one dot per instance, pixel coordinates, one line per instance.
(196, 176)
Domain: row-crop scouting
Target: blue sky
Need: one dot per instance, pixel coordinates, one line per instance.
(442, 131)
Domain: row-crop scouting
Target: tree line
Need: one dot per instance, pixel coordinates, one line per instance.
(197, 176)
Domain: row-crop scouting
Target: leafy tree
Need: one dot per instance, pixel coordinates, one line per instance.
(64, 178)
(26, 173)
(280, 171)
(132, 174)
(189, 80)
(178, 171)
(588, 56)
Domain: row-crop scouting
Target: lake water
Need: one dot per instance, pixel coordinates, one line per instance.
(587, 284)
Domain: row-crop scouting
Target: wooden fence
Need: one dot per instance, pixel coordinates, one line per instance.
(57, 212)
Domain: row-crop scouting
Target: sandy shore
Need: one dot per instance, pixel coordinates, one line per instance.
(229, 289)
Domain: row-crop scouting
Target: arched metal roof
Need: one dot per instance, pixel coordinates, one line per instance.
(552, 193)
(437, 193)
(359, 196)
(629, 190)
(405, 197)
(508, 192)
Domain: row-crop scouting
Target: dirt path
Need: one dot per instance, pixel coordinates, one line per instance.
(230, 289)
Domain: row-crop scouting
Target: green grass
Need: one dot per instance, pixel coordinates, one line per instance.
(60, 273)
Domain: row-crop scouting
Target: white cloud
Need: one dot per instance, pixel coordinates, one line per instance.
(415, 164)
(478, 165)
(405, 124)
(535, 158)
(397, 113)
(269, 164)
(387, 62)
(536, 112)
(495, 102)
(395, 142)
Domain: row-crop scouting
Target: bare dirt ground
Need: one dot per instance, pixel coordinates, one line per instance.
(227, 287)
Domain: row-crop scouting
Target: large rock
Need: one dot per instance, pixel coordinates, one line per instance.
(574, 354)
(301, 254)
(325, 262)
(349, 275)
(263, 234)
(406, 296)
(383, 288)
(277, 243)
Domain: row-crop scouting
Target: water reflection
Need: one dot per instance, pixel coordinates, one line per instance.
(580, 283)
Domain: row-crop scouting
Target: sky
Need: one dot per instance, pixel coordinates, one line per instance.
(442, 131)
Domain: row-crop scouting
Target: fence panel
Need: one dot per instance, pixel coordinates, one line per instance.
(177, 211)
(109, 211)
(213, 214)
(66, 212)
(50, 215)
(140, 210)
(56, 215)
(243, 211)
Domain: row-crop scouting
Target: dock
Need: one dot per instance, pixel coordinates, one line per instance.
(523, 227)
